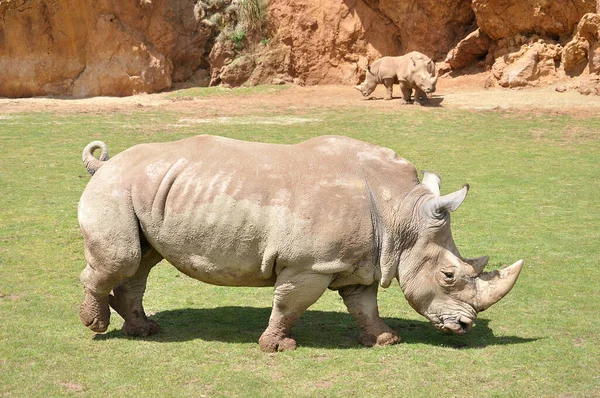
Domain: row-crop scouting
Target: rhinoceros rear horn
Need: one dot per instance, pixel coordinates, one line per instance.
(492, 286)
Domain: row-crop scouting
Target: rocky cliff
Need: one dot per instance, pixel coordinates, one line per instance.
(79, 48)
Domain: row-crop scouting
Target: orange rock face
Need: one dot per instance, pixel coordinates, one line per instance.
(500, 19)
(330, 41)
(80, 48)
(118, 48)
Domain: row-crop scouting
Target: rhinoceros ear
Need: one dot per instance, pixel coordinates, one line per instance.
(477, 263)
(432, 181)
(437, 207)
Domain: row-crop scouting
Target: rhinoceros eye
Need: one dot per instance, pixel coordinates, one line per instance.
(448, 275)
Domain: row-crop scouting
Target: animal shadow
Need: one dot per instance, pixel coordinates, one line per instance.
(434, 101)
(319, 329)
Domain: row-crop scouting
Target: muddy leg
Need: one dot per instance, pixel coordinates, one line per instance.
(112, 249)
(94, 311)
(294, 293)
(361, 301)
(406, 94)
(126, 298)
(389, 87)
(97, 284)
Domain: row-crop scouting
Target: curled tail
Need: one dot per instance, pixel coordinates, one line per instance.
(89, 161)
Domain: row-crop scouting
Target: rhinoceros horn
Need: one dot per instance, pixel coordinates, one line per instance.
(492, 286)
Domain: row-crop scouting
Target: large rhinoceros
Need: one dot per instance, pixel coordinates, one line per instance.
(331, 212)
(414, 70)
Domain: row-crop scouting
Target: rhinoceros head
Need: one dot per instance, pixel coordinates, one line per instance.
(367, 87)
(424, 75)
(446, 288)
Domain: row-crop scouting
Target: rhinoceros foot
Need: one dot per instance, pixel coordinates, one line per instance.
(94, 312)
(141, 328)
(382, 339)
(273, 343)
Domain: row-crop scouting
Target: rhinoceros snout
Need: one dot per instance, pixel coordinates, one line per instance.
(458, 326)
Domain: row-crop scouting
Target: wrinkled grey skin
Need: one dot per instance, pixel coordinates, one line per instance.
(330, 212)
(413, 71)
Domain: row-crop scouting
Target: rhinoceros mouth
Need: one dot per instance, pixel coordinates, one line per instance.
(458, 326)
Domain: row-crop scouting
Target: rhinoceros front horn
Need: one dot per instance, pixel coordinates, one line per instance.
(492, 286)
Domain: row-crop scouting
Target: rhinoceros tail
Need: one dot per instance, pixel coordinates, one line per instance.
(91, 163)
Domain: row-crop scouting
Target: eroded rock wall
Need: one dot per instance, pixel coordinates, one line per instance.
(106, 47)
(500, 19)
(110, 47)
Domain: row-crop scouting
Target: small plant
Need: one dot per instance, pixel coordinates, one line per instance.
(237, 37)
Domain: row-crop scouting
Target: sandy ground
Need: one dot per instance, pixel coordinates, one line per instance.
(464, 92)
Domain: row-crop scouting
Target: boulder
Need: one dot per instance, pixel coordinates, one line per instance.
(584, 49)
(529, 66)
(469, 50)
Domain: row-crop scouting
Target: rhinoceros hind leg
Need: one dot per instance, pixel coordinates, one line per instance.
(127, 296)
(294, 293)
(389, 87)
(94, 312)
(361, 301)
(112, 249)
(273, 340)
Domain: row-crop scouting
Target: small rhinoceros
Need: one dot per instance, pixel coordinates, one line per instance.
(331, 212)
(411, 71)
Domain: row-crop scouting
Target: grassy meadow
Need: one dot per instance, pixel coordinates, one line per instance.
(535, 189)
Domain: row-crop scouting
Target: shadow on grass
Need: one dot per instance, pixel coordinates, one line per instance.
(433, 101)
(320, 329)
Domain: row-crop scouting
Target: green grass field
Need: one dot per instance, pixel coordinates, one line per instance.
(535, 186)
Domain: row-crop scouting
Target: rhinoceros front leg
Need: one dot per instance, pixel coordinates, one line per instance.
(389, 88)
(361, 301)
(420, 96)
(126, 298)
(406, 93)
(294, 293)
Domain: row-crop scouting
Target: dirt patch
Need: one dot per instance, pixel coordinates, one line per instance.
(73, 387)
(463, 92)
